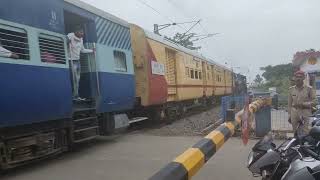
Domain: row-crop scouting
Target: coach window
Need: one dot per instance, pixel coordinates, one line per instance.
(187, 72)
(120, 61)
(52, 49)
(15, 40)
(192, 73)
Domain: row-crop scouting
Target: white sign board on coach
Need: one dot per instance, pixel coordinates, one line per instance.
(158, 68)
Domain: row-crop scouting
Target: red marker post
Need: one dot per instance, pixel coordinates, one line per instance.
(245, 122)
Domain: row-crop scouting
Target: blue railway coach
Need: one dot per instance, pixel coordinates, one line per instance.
(38, 116)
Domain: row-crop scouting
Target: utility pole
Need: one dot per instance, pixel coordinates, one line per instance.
(157, 27)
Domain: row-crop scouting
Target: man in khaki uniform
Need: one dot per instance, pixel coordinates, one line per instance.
(300, 102)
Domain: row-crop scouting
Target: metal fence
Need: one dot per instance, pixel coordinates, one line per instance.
(231, 102)
(279, 120)
(279, 117)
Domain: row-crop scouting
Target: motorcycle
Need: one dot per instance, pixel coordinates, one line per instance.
(267, 160)
(296, 156)
(306, 168)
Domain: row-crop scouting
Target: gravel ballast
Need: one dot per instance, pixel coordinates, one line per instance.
(192, 125)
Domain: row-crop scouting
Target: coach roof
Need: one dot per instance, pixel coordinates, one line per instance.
(98, 12)
(167, 42)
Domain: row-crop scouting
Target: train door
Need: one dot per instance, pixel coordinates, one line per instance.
(225, 81)
(171, 72)
(213, 79)
(89, 85)
(204, 72)
(85, 124)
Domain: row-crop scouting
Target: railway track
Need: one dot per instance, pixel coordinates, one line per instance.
(150, 125)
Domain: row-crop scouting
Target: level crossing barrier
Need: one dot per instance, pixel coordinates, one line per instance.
(190, 162)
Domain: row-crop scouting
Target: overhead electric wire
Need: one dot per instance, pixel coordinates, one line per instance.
(191, 28)
(188, 22)
(184, 13)
(204, 29)
(178, 24)
(187, 15)
(159, 13)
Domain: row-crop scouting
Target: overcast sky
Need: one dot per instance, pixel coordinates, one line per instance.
(254, 33)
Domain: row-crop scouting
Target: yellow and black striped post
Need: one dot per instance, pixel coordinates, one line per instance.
(189, 163)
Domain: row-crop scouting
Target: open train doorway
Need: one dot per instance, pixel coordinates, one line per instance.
(85, 86)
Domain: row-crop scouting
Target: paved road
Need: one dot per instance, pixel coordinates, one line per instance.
(134, 156)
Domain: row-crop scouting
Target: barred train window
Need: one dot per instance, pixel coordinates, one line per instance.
(52, 49)
(15, 40)
(120, 61)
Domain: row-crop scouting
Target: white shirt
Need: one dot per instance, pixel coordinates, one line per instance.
(5, 52)
(76, 47)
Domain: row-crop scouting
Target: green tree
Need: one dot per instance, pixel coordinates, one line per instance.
(277, 76)
(278, 71)
(258, 80)
(184, 40)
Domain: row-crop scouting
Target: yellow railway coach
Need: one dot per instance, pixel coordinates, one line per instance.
(172, 77)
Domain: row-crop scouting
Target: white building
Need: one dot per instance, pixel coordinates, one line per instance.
(309, 62)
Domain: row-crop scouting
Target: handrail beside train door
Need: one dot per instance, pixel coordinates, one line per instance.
(96, 68)
(72, 70)
(94, 65)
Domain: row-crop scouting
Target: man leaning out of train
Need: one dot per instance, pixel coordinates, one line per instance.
(76, 47)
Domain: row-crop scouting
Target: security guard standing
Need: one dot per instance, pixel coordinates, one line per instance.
(300, 102)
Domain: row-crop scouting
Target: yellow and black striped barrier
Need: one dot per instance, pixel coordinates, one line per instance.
(189, 163)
